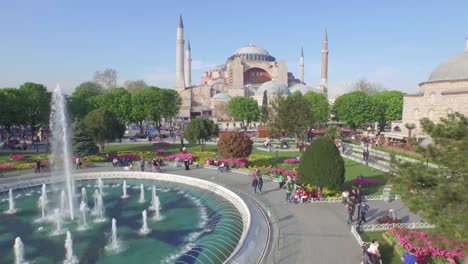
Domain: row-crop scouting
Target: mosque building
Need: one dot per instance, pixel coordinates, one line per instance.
(444, 92)
(249, 72)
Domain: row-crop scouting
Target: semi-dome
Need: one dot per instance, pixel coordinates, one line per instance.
(301, 88)
(221, 96)
(253, 53)
(273, 88)
(455, 68)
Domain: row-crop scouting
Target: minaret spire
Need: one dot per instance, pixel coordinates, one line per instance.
(180, 84)
(188, 65)
(324, 81)
(301, 66)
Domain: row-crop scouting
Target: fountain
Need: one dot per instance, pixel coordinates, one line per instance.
(99, 209)
(41, 204)
(144, 228)
(142, 194)
(60, 143)
(83, 209)
(153, 199)
(124, 190)
(100, 185)
(113, 245)
(63, 201)
(157, 205)
(11, 202)
(84, 198)
(69, 257)
(58, 223)
(44, 194)
(19, 251)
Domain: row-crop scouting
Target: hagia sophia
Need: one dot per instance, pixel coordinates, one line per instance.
(250, 71)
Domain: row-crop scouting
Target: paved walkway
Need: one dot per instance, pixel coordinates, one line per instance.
(301, 233)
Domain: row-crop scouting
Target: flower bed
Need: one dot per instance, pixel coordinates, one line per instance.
(427, 246)
(232, 161)
(279, 171)
(126, 156)
(6, 166)
(17, 157)
(161, 144)
(292, 160)
(365, 181)
(180, 156)
(160, 151)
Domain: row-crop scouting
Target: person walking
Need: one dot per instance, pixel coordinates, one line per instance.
(350, 207)
(77, 161)
(142, 163)
(364, 208)
(359, 201)
(255, 184)
(187, 163)
(281, 180)
(260, 183)
(289, 190)
(38, 166)
(409, 257)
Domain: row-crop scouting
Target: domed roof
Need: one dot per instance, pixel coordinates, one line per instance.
(273, 87)
(252, 53)
(455, 68)
(251, 49)
(301, 88)
(221, 96)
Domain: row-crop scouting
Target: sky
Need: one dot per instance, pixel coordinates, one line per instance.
(395, 43)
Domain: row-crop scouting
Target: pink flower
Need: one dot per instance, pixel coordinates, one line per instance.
(365, 181)
(180, 156)
(160, 151)
(6, 166)
(292, 160)
(17, 157)
(161, 144)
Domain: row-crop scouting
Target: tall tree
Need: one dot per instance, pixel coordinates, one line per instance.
(319, 106)
(139, 108)
(200, 130)
(388, 106)
(135, 85)
(171, 103)
(369, 88)
(410, 127)
(439, 194)
(11, 113)
(354, 108)
(83, 142)
(106, 78)
(81, 99)
(35, 104)
(274, 125)
(322, 165)
(117, 100)
(264, 109)
(104, 125)
(295, 116)
(244, 109)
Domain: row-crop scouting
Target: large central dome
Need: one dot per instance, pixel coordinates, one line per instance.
(455, 68)
(252, 53)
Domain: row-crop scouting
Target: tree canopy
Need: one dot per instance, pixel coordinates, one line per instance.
(104, 126)
(200, 130)
(244, 109)
(35, 104)
(83, 142)
(319, 106)
(234, 145)
(322, 165)
(264, 116)
(295, 116)
(439, 194)
(387, 106)
(11, 113)
(354, 109)
(81, 99)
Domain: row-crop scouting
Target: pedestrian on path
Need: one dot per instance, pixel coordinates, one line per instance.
(281, 180)
(364, 208)
(289, 190)
(78, 162)
(142, 163)
(255, 184)
(260, 183)
(350, 207)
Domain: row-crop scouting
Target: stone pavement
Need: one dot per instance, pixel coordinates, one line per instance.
(301, 233)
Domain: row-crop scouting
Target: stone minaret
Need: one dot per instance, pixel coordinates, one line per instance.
(188, 65)
(324, 81)
(301, 66)
(180, 85)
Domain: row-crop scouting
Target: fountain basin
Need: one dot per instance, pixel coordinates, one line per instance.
(215, 241)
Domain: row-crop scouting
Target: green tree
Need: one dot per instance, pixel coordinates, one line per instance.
(139, 107)
(388, 106)
(264, 116)
(318, 106)
(117, 100)
(354, 108)
(234, 145)
(274, 124)
(11, 113)
(104, 125)
(81, 99)
(439, 194)
(135, 85)
(200, 130)
(171, 103)
(410, 127)
(83, 142)
(295, 116)
(322, 165)
(244, 109)
(35, 105)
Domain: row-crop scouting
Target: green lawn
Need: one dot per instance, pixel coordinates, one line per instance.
(389, 256)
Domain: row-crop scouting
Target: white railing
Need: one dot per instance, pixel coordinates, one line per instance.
(356, 235)
(206, 185)
(370, 164)
(384, 227)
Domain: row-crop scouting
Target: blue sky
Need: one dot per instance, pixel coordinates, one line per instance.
(396, 43)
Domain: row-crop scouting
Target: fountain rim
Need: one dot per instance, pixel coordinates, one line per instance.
(227, 194)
